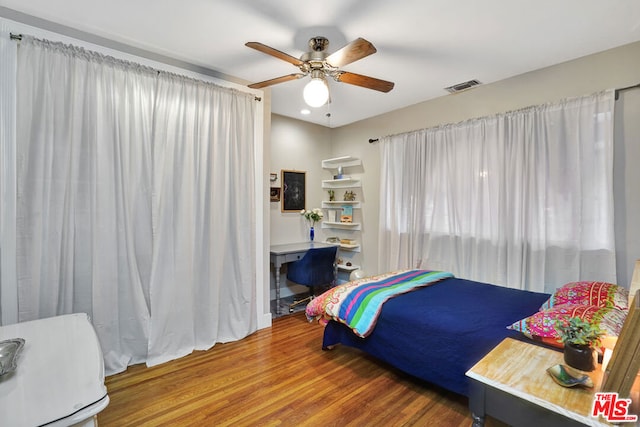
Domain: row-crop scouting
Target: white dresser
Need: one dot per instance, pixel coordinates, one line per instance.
(59, 380)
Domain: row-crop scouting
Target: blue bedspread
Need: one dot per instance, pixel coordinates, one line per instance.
(437, 333)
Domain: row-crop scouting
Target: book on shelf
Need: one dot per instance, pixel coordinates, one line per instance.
(347, 214)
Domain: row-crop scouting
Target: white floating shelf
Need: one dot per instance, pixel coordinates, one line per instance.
(337, 204)
(349, 246)
(341, 183)
(345, 162)
(345, 225)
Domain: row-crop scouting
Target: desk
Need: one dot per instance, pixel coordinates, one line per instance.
(289, 252)
(59, 379)
(511, 384)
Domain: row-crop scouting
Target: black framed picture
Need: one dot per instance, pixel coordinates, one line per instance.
(293, 190)
(274, 193)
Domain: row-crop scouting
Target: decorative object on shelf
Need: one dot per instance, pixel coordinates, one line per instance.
(347, 214)
(314, 215)
(580, 339)
(293, 190)
(273, 177)
(349, 196)
(332, 195)
(333, 239)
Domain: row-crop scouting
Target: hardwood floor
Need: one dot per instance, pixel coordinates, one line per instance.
(278, 377)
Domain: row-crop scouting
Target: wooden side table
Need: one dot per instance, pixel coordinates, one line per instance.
(511, 384)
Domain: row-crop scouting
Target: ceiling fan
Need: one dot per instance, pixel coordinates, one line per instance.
(319, 64)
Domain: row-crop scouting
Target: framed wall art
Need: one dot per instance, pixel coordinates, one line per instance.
(293, 190)
(274, 193)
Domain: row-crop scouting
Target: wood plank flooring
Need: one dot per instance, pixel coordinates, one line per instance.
(278, 377)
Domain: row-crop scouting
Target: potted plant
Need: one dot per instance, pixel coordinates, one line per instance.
(581, 339)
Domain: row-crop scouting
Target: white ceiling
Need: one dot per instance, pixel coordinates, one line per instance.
(423, 45)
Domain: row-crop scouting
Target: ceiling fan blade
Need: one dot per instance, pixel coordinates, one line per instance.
(274, 52)
(365, 81)
(277, 80)
(357, 49)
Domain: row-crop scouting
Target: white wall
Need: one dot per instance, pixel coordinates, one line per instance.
(614, 68)
(301, 146)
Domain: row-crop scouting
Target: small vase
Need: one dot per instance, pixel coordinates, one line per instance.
(581, 357)
(312, 234)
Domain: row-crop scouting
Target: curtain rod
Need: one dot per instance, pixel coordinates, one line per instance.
(617, 95)
(372, 140)
(19, 37)
(617, 92)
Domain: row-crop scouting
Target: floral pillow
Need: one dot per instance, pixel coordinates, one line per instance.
(600, 294)
(541, 325)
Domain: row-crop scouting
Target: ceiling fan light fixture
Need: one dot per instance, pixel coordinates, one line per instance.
(318, 64)
(316, 92)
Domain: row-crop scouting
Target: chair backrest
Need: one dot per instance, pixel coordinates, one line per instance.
(316, 267)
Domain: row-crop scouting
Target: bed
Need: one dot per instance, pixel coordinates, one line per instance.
(438, 330)
(436, 327)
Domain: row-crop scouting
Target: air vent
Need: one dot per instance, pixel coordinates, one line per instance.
(462, 86)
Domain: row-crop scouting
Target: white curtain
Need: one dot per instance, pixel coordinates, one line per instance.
(204, 187)
(522, 199)
(135, 197)
(8, 291)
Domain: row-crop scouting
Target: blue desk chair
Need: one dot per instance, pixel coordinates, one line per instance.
(317, 267)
